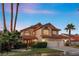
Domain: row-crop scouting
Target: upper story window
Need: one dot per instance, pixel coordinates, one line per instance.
(54, 32)
(27, 33)
(45, 32)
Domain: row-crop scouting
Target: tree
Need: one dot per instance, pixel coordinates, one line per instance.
(11, 22)
(8, 40)
(69, 28)
(4, 42)
(4, 20)
(14, 36)
(16, 16)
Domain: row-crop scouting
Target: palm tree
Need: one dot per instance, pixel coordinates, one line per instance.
(4, 20)
(11, 22)
(16, 16)
(69, 28)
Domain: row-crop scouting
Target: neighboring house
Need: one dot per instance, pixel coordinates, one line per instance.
(74, 39)
(46, 32)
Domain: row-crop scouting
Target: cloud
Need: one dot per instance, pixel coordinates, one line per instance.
(32, 11)
(29, 9)
(22, 26)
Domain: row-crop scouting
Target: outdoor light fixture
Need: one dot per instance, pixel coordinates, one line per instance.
(43, 40)
(65, 41)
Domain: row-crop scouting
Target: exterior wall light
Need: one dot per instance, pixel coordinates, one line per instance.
(43, 40)
(65, 41)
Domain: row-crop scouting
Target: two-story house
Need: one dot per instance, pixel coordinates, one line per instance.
(39, 32)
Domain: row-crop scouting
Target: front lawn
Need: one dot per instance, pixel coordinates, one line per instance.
(35, 52)
(76, 46)
(45, 51)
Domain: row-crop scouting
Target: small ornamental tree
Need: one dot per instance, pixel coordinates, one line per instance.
(4, 42)
(8, 40)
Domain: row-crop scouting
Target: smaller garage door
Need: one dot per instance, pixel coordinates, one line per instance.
(55, 43)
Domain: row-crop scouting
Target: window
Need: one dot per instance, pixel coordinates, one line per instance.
(54, 32)
(27, 33)
(45, 32)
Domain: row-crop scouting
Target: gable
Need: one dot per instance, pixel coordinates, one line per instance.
(51, 26)
(39, 26)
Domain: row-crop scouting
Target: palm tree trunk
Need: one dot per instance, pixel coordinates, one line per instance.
(4, 20)
(16, 16)
(11, 22)
(69, 32)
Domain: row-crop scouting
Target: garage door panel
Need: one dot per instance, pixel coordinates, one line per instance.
(55, 44)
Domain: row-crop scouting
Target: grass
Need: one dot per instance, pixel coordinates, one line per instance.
(76, 46)
(40, 50)
(36, 52)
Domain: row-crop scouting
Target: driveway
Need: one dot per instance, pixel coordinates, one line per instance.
(69, 51)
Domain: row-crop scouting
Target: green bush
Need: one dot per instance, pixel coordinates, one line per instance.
(19, 45)
(5, 47)
(67, 43)
(39, 45)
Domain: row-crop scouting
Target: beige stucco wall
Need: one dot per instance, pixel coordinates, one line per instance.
(38, 34)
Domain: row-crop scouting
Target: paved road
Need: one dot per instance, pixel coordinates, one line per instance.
(70, 51)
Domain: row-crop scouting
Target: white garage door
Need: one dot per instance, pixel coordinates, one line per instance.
(52, 44)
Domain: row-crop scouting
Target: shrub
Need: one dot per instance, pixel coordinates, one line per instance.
(67, 43)
(5, 47)
(19, 45)
(40, 45)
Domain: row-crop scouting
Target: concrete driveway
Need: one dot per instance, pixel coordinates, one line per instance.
(68, 51)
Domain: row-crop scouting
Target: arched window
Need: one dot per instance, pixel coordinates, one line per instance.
(46, 31)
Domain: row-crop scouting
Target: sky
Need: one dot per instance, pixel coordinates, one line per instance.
(58, 14)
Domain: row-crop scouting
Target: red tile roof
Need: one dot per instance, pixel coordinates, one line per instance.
(28, 37)
(74, 37)
(52, 26)
(34, 27)
(55, 37)
(39, 25)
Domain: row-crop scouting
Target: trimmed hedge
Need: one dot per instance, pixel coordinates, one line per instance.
(39, 45)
